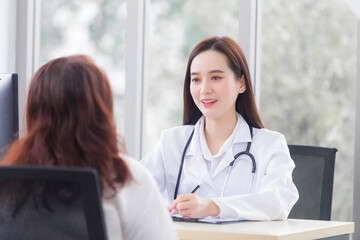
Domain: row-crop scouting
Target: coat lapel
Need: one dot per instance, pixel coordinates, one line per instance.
(242, 135)
(195, 167)
(194, 164)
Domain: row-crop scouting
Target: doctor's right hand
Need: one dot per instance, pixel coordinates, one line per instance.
(194, 206)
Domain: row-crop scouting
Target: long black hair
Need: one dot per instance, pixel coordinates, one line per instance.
(245, 102)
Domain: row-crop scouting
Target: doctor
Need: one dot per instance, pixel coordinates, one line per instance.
(222, 162)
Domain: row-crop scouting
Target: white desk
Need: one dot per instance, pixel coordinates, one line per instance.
(290, 229)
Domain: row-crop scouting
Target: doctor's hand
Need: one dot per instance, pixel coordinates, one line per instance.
(194, 206)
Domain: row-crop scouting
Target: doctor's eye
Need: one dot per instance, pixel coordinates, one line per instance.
(195, 80)
(216, 77)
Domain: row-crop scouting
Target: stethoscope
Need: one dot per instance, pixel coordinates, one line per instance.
(246, 152)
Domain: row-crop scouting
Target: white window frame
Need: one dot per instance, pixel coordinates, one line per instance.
(135, 75)
(25, 34)
(356, 201)
(249, 40)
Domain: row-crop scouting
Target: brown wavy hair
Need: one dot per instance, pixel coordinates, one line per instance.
(70, 122)
(245, 102)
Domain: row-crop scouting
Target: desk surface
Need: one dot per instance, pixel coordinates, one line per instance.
(290, 229)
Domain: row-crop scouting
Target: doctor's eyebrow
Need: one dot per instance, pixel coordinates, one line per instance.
(216, 71)
(212, 71)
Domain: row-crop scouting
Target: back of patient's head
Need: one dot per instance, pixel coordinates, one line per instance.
(69, 119)
(69, 94)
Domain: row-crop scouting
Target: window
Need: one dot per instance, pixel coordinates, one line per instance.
(94, 28)
(175, 28)
(308, 76)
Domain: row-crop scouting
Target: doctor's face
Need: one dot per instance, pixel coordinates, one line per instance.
(214, 87)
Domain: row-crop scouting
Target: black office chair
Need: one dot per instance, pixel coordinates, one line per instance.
(313, 177)
(50, 203)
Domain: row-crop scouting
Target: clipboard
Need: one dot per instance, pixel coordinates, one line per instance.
(206, 220)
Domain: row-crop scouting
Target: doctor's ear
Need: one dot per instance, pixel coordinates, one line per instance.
(242, 84)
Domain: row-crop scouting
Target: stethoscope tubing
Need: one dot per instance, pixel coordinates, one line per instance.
(232, 163)
(182, 163)
(246, 152)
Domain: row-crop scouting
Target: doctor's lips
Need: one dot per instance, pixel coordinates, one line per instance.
(208, 102)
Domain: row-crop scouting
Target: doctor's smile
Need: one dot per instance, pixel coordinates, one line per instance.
(208, 102)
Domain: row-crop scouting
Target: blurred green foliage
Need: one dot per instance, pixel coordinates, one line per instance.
(308, 73)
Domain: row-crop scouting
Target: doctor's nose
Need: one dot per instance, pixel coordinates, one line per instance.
(205, 87)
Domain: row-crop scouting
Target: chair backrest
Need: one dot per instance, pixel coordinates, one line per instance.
(50, 203)
(9, 123)
(313, 177)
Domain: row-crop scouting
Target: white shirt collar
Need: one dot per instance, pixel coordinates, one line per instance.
(241, 134)
(224, 148)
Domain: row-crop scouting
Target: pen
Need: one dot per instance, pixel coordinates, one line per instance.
(173, 211)
(195, 189)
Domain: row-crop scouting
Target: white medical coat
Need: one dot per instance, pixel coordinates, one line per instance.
(272, 193)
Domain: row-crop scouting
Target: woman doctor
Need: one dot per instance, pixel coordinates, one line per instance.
(222, 162)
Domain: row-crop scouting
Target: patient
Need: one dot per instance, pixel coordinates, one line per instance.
(70, 122)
